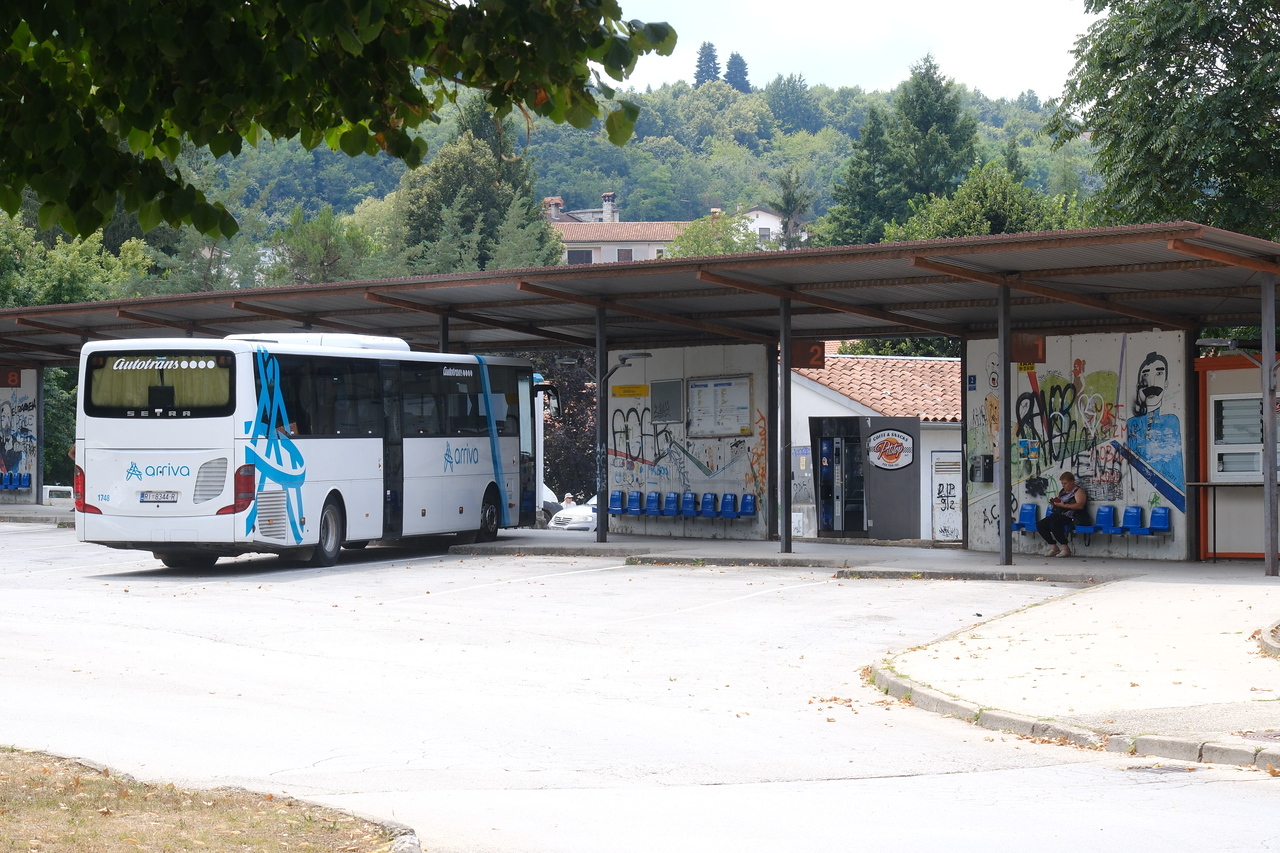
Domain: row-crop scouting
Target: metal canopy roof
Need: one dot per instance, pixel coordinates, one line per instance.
(1168, 276)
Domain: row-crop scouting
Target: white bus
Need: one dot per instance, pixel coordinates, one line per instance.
(296, 444)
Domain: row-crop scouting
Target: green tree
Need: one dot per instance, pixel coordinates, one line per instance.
(96, 106)
(792, 104)
(59, 423)
(319, 249)
(717, 234)
(521, 240)
(990, 201)
(791, 200)
(455, 245)
(912, 347)
(735, 73)
(922, 148)
(708, 68)
(1180, 98)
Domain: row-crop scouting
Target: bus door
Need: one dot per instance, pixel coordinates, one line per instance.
(392, 451)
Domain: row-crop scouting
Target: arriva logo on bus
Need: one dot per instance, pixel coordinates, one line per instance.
(460, 456)
(157, 471)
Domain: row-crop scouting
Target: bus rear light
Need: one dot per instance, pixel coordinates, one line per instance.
(77, 492)
(243, 486)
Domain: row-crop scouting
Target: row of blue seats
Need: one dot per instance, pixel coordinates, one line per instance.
(1105, 521)
(15, 481)
(687, 505)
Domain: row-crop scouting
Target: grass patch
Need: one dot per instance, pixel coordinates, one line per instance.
(53, 805)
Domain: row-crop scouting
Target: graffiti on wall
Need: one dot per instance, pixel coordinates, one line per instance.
(17, 433)
(1116, 426)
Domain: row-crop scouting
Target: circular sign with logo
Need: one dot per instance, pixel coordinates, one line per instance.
(890, 449)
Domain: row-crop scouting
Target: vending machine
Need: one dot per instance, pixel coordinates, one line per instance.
(867, 479)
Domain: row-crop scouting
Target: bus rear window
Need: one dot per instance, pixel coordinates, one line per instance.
(183, 384)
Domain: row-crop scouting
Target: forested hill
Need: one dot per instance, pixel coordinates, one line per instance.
(694, 148)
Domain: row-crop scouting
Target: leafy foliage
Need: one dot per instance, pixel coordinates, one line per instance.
(793, 105)
(990, 201)
(717, 234)
(1180, 97)
(97, 100)
(914, 347)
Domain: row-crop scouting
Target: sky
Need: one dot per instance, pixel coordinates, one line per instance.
(1000, 47)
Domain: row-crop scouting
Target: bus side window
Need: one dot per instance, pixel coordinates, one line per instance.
(422, 401)
(366, 397)
(297, 393)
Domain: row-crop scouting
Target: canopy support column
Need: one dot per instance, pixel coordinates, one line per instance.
(444, 334)
(1271, 544)
(1004, 465)
(602, 417)
(784, 425)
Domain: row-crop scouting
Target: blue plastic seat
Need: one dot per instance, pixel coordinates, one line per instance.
(708, 508)
(25, 482)
(651, 506)
(729, 505)
(1132, 519)
(635, 503)
(671, 505)
(615, 502)
(748, 508)
(1105, 517)
(1161, 521)
(689, 504)
(1028, 515)
(1112, 527)
(7, 481)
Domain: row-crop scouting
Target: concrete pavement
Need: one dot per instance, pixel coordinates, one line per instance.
(1157, 658)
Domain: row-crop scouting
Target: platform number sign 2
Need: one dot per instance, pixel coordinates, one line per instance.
(806, 353)
(10, 377)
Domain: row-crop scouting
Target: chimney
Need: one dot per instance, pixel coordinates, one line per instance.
(552, 204)
(610, 213)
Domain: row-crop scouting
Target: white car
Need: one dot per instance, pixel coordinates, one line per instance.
(577, 517)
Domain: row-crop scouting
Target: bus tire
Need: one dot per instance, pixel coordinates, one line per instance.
(490, 517)
(327, 549)
(187, 561)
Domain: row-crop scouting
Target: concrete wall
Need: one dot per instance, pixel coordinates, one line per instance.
(1082, 411)
(652, 455)
(18, 437)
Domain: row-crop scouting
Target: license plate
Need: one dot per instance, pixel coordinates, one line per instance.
(159, 498)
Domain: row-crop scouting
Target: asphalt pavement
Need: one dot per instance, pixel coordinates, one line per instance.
(1171, 659)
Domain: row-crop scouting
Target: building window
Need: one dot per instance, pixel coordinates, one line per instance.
(658, 253)
(624, 255)
(765, 234)
(579, 256)
(1237, 438)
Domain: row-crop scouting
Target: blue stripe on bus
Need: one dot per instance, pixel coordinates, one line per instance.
(493, 441)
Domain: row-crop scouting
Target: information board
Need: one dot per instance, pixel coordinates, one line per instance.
(719, 406)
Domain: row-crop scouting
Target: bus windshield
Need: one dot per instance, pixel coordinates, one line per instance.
(186, 383)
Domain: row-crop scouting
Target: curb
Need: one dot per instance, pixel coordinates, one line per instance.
(1177, 748)
(1268, 640)
(979, 575)
(547, 550)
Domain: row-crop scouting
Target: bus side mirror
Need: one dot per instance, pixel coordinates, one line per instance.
(550, 398)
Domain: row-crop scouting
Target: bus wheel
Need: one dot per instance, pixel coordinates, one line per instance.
(187, 561)
(489, 517)
(330, 544)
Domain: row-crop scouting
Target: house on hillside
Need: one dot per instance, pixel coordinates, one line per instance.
(596, 236)
(852, 388)
(767, 226)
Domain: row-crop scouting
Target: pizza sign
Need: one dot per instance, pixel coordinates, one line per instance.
(891, 449)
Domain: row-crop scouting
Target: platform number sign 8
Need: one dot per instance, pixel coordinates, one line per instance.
(10, 377)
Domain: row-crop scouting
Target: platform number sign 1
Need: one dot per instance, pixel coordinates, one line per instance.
(10, 377)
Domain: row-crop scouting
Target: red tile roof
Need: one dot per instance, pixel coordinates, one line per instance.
(895, 386)
(618, 232)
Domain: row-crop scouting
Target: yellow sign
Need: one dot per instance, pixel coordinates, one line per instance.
(1026, 367)
(630, 391)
